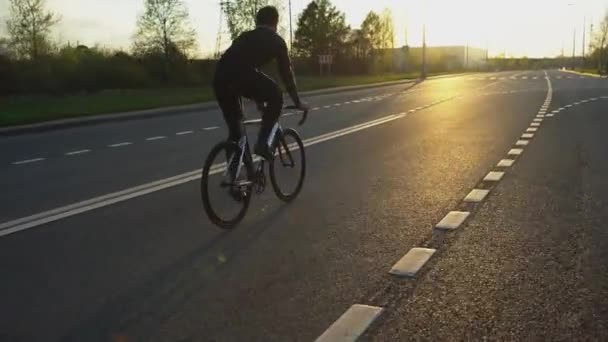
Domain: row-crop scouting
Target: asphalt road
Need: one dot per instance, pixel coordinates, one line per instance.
(103, 237)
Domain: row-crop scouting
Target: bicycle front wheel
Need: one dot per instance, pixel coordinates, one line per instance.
(226, 194)
(288, 168)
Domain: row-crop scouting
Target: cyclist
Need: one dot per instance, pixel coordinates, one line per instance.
(237, 76)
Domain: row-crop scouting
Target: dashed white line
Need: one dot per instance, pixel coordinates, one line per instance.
(28, 161)
(73, 153)
(535, 124)
(121, 144)
(315, 108)
(326, 107)
(347, 102)
(453, 220)
(550, 115)
(493, 176)
(412, 262)
(522, 143)
(160, 137)
(532, 129)
(505, 163)
(515, 151)
(527, 135)
(537, 120)
(351, 324)
(184, 133)
(210, 128)
(476, 195)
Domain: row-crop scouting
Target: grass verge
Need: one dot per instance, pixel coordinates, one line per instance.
(32, 109)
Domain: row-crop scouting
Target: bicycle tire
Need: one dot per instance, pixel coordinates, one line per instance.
(282, 144)
(224, 147)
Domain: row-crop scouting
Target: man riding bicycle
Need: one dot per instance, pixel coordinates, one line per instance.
(237, 76)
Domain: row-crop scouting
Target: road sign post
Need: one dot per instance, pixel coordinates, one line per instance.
(325, 60)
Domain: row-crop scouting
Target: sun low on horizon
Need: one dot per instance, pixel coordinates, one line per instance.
(533, 28)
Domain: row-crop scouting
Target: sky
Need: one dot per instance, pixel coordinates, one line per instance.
(533, 28)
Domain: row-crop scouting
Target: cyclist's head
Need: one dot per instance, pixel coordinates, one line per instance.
(267, 16)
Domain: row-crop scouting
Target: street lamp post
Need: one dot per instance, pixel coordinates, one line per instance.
(423, 72)
(290, 30)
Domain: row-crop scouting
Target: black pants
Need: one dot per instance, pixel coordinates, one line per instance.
(256, 86)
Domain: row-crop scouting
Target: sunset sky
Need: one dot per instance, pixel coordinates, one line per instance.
(517, 27)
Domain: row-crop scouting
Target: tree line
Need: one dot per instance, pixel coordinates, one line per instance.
(164, 44)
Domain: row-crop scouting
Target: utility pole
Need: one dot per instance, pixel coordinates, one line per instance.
(584, 31)
(423, 72)
(290, 30)
(573, 48)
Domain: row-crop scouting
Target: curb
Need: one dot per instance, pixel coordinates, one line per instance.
(173, 110)
(585, 73)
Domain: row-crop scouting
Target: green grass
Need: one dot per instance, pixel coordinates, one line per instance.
(32, 109)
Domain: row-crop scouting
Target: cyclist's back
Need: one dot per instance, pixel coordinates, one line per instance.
(237, 76)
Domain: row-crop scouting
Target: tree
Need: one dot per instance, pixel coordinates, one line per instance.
(321, 29)
(240, 14)
(29, 26)
(164, 28)
(601, 42)
(387, 31)
(371, 30)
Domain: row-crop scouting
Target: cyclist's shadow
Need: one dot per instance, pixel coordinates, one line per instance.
(169, 289)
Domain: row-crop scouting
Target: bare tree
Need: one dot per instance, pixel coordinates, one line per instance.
(164, 28)
(29, 26)
(240, 14)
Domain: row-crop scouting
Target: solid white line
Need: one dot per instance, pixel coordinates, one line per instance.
(73, 153)
(453, 220)
(141, 190)
(28, 161)
(210, 128)
(351, 324)
(476, 195)
(121, 144)
(184, 133)
(412, 262)
(156, 138)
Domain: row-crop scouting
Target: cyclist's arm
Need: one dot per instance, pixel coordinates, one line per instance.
(286, 72)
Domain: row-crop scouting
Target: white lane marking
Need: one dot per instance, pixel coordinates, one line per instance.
(535, 124)
(527, 135)
(476, 195)
(347, 102)
(593, 99)
(535, 77)
(515, 151)
(351, 324)
(121, 144)
(288, 114)
(56, 214)
(540, 116)
(337, 105)
(184, 133)
(537, 120)
(505, 163)
(493, 176)
(532, 129)
(253, 121)
(315, 108)
(326, 107)
(160, 137)
(584, 101)
(356, 101)
(412, 262)
(522, 143)
(453, 220)
(210, 128)
(550, 115)
(28, 161)
(73, 153)
(524, 77)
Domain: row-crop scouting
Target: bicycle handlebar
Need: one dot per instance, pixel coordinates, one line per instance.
(304, 114)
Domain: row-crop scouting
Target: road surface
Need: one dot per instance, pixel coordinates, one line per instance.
(103, 236)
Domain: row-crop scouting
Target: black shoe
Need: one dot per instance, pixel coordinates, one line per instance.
(263, 151)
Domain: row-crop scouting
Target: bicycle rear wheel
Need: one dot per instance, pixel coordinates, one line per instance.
(288, 168)
(226, 199)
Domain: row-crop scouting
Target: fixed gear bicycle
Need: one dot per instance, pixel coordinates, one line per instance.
(242, 174)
